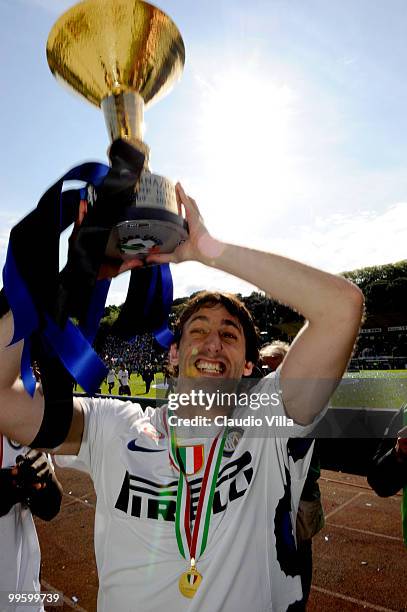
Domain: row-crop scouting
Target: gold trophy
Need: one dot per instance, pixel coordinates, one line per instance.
(122, 55)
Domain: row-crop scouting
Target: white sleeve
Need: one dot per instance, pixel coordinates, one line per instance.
(104, 419)
(70, 461)
(266, 399)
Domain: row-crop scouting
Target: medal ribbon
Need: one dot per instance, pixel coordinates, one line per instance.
(195, 542)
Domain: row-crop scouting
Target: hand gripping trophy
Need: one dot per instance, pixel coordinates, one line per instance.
(122, 55)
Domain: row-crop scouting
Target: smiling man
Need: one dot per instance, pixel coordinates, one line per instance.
(200, 519)
(212, 341)
(216, 344)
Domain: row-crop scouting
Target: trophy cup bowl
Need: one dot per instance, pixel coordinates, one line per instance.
(122, 55)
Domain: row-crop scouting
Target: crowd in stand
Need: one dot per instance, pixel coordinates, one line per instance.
(381, 349)
(138, 355)
(142, 354)
(382, 344)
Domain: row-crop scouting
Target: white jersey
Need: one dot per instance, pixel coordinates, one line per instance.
(19, 547)
(111, 375)
(250, 559)
(123, 376)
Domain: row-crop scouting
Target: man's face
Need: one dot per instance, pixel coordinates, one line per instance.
(212, 345)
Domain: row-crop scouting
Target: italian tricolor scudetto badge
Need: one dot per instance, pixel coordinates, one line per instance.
(191, 458)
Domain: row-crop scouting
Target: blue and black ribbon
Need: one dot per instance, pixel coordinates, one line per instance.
(43, 300)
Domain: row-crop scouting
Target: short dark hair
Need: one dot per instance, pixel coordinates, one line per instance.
(234, 306)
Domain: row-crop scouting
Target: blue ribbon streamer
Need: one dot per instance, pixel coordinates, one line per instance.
(90, 172)
(21, 304)
(96, 309)
(27, 374)
(76, 354)
(24, 315)
(164, 335)
(151, 290)
(69, 344)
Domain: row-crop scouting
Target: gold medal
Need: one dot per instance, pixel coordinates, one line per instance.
(192, 533)
(189, 582)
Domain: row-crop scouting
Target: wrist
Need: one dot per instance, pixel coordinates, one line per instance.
(209, 249)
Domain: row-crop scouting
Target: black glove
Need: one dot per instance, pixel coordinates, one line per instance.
(42, 489)
(31, 482)
(17, 482)
(10, 493)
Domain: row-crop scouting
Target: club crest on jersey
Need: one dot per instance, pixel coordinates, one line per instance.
(232, 440)
(191, 458)
(14, 444)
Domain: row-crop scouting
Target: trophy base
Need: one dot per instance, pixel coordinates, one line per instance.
(146, 229)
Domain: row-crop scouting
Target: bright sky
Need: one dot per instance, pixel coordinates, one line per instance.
(288, 127)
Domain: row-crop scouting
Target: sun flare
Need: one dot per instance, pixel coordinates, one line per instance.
(246, 137)
(246, 114)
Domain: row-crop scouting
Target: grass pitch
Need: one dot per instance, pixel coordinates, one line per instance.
(364, 389)
(138, 387)
(372, 389)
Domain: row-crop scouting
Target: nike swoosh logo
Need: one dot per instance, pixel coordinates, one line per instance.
(135, 447)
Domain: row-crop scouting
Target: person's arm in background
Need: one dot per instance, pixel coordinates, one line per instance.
(388, 470)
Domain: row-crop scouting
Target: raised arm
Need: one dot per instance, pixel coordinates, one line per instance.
(20, 415)
(331, 305)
